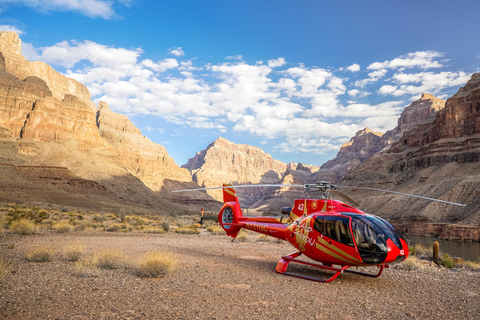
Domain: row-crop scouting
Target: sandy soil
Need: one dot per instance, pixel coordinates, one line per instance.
(218, 279)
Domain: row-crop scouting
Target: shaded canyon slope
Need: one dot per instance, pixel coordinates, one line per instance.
(56, 146)
(438, 160)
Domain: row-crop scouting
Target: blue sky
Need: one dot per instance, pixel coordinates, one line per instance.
(296, 78)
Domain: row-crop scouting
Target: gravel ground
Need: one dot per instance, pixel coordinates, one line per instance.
(218, 279)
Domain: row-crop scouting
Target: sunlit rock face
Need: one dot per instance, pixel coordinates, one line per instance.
(48, 120)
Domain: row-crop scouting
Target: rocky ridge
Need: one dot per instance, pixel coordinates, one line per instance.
(437, 160)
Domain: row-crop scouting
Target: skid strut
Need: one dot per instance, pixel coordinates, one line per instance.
(282, 266)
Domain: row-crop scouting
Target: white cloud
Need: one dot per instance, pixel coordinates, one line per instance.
(91, 8)
(177, 52)
(354, 67)
(5, 27)
(419, 59)
(275, 63)
(303, 108)
(423, 82)
(237, 57)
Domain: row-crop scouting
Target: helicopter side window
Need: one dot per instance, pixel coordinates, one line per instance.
(318, 224)
(338, 229)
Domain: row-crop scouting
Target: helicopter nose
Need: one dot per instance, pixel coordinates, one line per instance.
(396, 254)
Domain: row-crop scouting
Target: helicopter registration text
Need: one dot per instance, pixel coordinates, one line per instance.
(257, 227)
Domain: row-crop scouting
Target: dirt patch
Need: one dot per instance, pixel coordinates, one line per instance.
(218, 279)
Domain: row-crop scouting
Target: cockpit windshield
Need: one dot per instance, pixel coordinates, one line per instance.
(371, 237)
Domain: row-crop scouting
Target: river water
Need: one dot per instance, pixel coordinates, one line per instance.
(463, 249)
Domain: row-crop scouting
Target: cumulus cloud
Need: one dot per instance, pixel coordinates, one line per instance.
(419, 59)
(417, 83)
(90, 8)
(354, 67)
(274, 63)
(6, 27)
(177, 52)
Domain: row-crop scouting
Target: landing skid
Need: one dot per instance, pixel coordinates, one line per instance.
(282, 266)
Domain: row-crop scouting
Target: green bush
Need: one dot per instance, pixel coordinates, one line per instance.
(29, 214)
(166, 226)
(447, 261)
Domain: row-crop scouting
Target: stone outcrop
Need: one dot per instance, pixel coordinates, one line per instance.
(362, 146)
(420, 113)
(18, 66)
(141, 157)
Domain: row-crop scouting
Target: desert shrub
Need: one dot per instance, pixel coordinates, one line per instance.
(113, 228)
(62, 227)
(87, 266)
(447, 261)
(112, 259)
(41, 254)
(187, 230)
(412, 263)
(99, 218)
(472, 265)
(154, 230)
(166, 226)
(122, 215)
(156, 264)
(33, 215)
(73, 251)
(64, 209)
(421, 251)
(3, 222)
(23, 226)
(242, 237)
(5, 270)
(216, 230)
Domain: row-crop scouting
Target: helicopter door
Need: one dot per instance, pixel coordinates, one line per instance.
(338, 229)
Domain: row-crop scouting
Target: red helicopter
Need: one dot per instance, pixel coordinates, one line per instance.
(329, 231)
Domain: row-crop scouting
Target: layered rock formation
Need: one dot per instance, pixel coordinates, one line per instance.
(48, 121)
(437, 160)
(362, 146)
(419, 114)
(226, 162)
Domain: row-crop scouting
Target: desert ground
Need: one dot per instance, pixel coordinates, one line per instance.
(217, 279)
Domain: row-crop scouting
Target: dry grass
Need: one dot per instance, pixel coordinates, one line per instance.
(23, 226)
(187, 230)
(73, 251)
(112, 259)
(156, 264)
(154, 230)
(41, 254)
(412, 263)
(87, 266)
(4, 270)
(62, 227)
(422, 251)
(216, 230)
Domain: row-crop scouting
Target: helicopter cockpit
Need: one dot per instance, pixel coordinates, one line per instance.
(370, 234)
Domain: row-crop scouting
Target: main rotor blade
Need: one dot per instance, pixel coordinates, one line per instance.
(406, 194)
(344, 197)
(246, 186)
